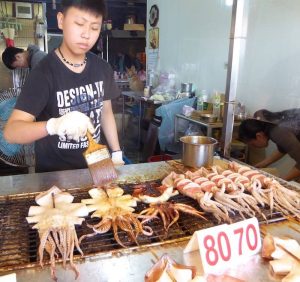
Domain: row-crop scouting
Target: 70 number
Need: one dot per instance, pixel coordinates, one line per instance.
(220, 246)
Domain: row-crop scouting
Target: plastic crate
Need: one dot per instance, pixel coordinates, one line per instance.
(159, 158)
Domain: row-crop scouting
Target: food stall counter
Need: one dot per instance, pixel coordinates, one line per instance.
(123, 264)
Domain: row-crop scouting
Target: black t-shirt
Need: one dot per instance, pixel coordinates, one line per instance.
(52, 90)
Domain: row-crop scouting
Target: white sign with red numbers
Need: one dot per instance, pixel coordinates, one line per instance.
(223, 245)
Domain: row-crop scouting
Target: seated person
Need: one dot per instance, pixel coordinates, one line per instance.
(257, 133)
(14, 57)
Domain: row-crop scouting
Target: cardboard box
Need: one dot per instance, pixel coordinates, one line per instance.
(134, 27)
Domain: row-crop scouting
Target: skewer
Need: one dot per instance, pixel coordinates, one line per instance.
(286, 250)
(292, 219)
(263, 231)
(53, 199)
(155, 255)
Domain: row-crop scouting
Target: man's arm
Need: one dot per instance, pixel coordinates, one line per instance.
(109, 127)
(275, 156)
(292, 174)
(21, 128)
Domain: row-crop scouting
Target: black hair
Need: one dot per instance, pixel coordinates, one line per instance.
(250, 127)
(97, 7)
(9, 56)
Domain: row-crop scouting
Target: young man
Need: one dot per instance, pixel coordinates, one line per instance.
(257, 133)
(14, 57)
(68, 93)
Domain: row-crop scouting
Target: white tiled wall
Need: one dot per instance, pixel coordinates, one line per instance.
(269, 75)
(194, 40)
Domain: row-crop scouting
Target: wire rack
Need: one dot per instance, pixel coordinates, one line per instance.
(19, 242)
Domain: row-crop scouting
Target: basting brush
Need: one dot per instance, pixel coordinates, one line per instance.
(99, 162)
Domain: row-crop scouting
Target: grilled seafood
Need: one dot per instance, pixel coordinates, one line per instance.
(273, 193)
(169, 212)
(201, 192)
(223, 192)
(55, 218)
(231, 191)
(285, 254)
(149, 194)
(115, 211)
(166, 269)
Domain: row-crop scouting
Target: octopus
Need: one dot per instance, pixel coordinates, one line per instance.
(157, 197)
(55, 218)
(169, 212)
(116, 211)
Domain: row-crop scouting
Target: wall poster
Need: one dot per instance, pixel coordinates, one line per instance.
(154, 38)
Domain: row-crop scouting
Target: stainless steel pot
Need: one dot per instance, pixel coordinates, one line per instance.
(186, 87)
(198, 150)
(210, 118)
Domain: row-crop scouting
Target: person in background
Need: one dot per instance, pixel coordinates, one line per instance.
(21, 62)
(258, 131)
(131, 60)
(14, 57)
(124, 62)
(72, 91)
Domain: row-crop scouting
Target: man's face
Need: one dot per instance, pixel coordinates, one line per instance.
(81, 29)
(261, 141)
(20, 61)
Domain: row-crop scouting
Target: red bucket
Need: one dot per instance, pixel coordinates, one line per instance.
(159, 158)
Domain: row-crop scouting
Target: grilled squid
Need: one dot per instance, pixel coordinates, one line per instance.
(116, 211)
(55, 218)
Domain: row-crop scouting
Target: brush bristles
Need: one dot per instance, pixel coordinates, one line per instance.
(103, 172)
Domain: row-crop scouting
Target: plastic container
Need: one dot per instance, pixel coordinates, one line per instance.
(159, 158)
(186, 87)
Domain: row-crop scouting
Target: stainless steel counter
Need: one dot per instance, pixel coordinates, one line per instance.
(80, 178)
(131, 266)
(128, 265)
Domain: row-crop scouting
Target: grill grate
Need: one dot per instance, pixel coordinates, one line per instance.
(19, 243)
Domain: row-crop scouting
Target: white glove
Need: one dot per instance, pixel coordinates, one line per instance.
(73, 124)
(117, 158)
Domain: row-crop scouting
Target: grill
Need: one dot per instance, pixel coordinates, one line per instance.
(19, 242)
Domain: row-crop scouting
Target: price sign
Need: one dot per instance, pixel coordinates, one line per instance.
(222, 245)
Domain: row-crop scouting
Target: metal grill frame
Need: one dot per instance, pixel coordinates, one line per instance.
(19, 242)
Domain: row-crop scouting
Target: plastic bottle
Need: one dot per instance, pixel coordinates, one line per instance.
(201, 98)
(205, 101)
(216, 104)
